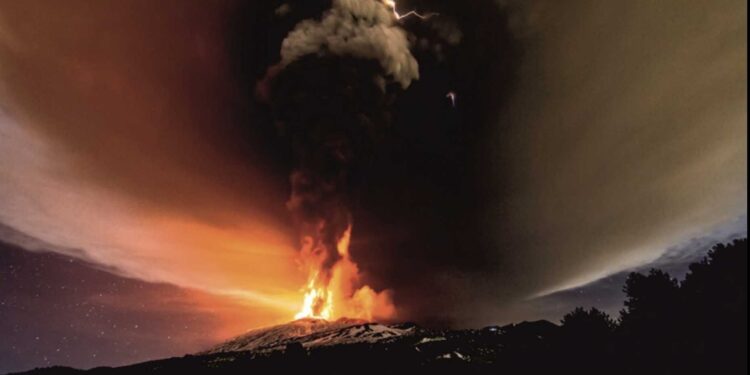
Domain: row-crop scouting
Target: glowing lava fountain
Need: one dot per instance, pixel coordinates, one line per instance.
(331, 294)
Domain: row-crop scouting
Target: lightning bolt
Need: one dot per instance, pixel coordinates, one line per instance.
(392, 4)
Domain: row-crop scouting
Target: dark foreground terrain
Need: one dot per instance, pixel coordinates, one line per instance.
(697, 326)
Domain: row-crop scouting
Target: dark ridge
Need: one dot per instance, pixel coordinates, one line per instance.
(698, 326)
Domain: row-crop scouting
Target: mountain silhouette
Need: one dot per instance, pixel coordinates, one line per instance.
(697, 326)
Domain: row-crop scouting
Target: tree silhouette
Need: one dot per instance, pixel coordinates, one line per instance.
(591, 324)
(715, 301)
(697, 326)
(586, 340)
(647, 323)
(649, 299)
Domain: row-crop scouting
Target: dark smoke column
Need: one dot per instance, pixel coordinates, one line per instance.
(331, 94)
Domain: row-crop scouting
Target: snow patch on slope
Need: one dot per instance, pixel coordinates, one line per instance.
(314, 333)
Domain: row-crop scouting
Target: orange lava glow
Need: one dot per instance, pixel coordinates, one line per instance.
(337, 293)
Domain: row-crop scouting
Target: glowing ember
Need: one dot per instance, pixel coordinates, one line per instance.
(332, 295)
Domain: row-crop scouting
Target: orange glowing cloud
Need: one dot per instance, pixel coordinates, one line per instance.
(249, 261)
(114, 149)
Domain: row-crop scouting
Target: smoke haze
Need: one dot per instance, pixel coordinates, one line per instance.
(587, 139)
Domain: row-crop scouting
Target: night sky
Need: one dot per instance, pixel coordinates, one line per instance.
(58, 310)
(146, 152)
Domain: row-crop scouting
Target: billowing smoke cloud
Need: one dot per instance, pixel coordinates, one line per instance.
(330, 99)
(618, 131)
(364, 29)
(587, 137)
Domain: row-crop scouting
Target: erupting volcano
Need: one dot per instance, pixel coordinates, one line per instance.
(331, 95)
(373, 186)
(330, 294)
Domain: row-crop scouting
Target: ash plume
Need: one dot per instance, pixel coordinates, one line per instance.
(586, 138)
(363, 29)
(330, 96)
(368, 130)
(332, 112)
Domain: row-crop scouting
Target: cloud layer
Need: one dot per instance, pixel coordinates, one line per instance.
(587, 139)
(119, 142)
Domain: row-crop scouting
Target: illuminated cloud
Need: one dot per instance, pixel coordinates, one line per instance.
(364, 29)
(612, 132)
(110, 152)
(630, 123)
